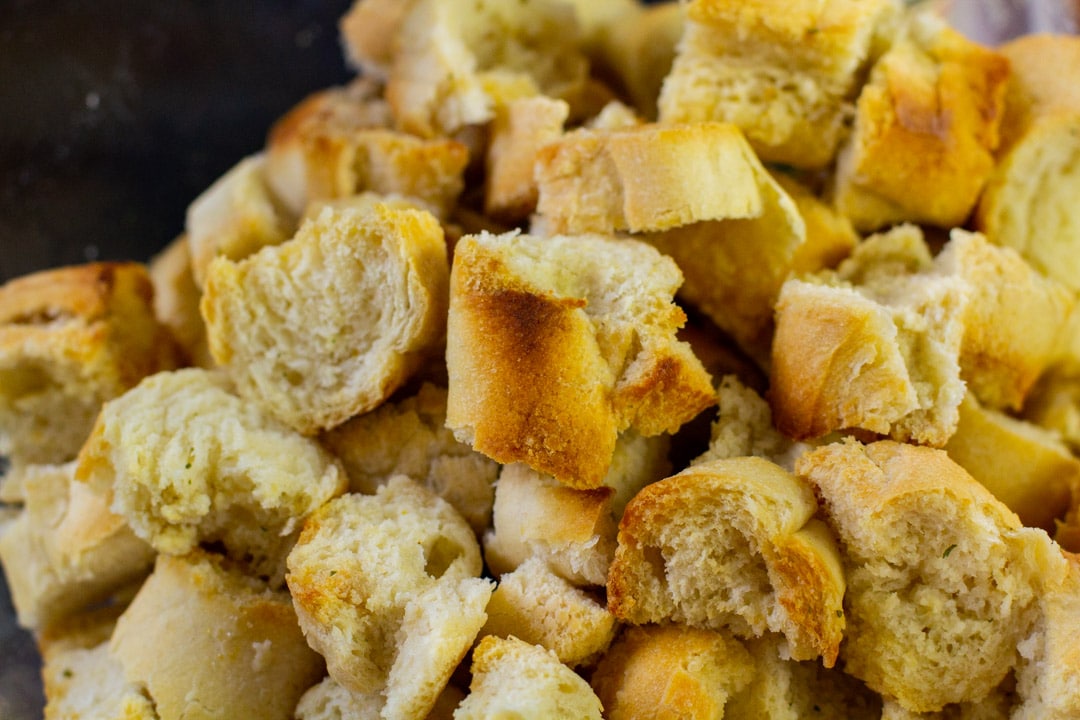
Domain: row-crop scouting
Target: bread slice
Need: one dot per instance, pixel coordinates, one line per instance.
(785, 73)
(206, 640)
(387, 589)
(518, 131)
(1023, 465)
(671, 671)
(340, 142)
(283, 322)
(70, 339)
(66, 550)
(410, 437)
(455, 61)
(185, 461)
(512, 678)
(1028, 201)
(589, 321)
(731, 544)
(943, 580)
(925, 130)
(176, 301)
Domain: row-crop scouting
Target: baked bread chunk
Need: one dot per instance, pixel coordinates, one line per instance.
(410, 437)
(785, 73)
(943, 580)
(340, 142)
(537, 606)
(176, 301)
(640, 50)
(925, 130)
(185, 461)
(518, 130)
(70, 339)
(387, 589)
(573, 531)
(590, 322)
(671, 670)
(284, 322)
(731, 544)
(1054, 403)
(368, 32)
(329, 700)
(66, 550)
(235, 217)
(455, 61)
(205, 640)
(512, 678)
(1029, 200)
(1025, 466)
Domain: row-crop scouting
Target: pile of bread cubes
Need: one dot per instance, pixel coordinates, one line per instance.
(580, 359)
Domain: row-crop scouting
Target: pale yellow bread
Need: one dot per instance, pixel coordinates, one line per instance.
(640, 50)
(185, 461)
(368, 31)
(70, 339)
(205, 640)
(589, 321)
(176, 301)
(731, 544)
(942, 579)
(329, 700)
(283, 324)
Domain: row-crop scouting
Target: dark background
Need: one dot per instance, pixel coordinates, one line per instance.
(114, 115)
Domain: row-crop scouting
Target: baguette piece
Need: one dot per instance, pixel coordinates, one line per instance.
(70, 339)
(185, 461)
(731, 544)
(66, 550)
(512, 678)
(386, 588)
(1028, 203)
(340, 142)
(176, 301)
(410, 437)
(283, 322)
(518, 131)
(943, 580)
(640, 50)
(671, 671)
(925, 130)
(785, 73)
(589, 320)
(205, 640)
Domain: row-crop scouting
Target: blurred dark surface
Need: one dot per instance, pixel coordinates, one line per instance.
(114, 115)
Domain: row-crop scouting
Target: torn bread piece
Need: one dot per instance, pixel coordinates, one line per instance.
(330, 700)
(176, 301)
(640, 50)
(785, 73)
(943, 580)
(590, 321)
(387, 589)
(731, 544)
(185, 461)
(519, 130)
(204, 639)
(329, 324)
(410, 437)
(70, 339)
(511, 678)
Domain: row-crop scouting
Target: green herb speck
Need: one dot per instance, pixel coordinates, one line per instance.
(839, 613)
(948, 550)
(333, 573)
(67, 672)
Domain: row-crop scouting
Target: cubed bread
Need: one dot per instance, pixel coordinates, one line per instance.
(410, 437)
(589, 321)
(732, 545)
(368, 32)
(671, 671)
(387, 589)
(339, 142)
(573, 531)
(784, 72)
(66, 550)
(71, 338)
(537, 606)
(1029, 200)
(830, 236)
(1054, 403)
(875, 347)
(185, 461)
(176, 301)
(925, 131)
(455, 61)
(235, 217)
(204, 640)
(518, 130)
(329, 700)
(640, 50)
(329, 324)
(512, 678)
(942, 579)
(1023, 465)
